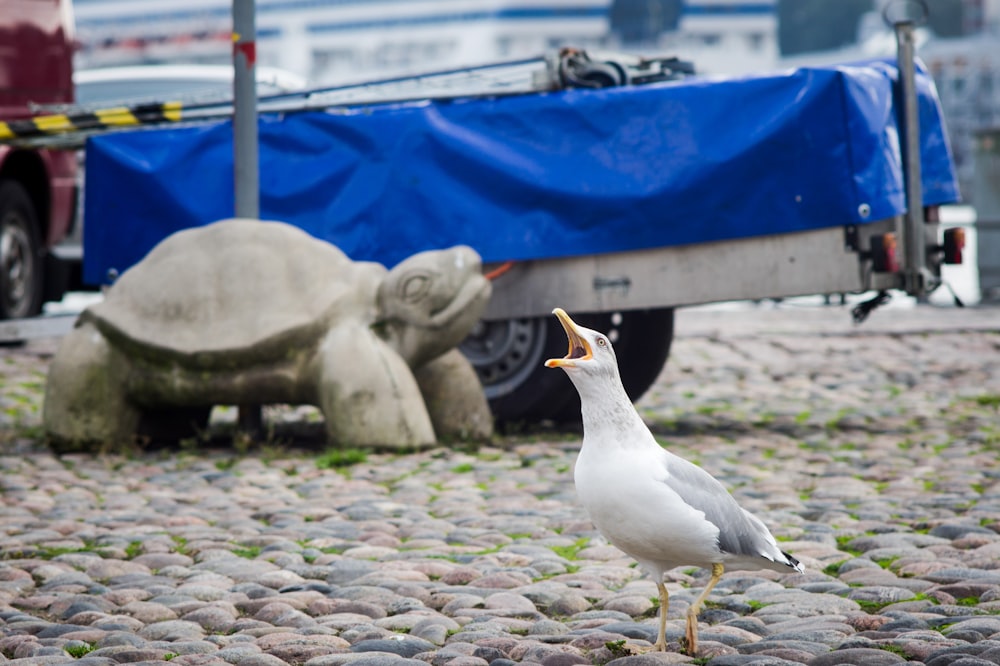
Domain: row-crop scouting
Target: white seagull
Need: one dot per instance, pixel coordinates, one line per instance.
(658, 508)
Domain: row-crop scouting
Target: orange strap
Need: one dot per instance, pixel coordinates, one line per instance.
(499, 270)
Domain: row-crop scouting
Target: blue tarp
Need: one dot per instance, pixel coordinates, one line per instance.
(537, 176)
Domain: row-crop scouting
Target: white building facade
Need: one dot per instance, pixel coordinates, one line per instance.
(331, 41)
(727, 36)
(966, 71)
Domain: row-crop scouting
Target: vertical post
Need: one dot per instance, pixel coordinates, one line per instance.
(245, 162)
(986, 194)
(913, 231)
(246, 176)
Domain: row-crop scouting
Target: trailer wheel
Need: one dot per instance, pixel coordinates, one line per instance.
(20, 253)
(508, 357)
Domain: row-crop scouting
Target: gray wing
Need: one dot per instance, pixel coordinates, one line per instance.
(740, 533)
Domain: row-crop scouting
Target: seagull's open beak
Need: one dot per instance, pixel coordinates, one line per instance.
(579, 349)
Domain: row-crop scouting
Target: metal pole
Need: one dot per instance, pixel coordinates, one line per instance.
(913, 231)
(245, 161)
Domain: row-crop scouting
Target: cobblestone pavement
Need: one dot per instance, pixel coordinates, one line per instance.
(870, 451)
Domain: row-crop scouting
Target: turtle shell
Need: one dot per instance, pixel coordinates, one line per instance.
(234, 292)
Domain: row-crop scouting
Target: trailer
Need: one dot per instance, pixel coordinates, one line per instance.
(618, 189)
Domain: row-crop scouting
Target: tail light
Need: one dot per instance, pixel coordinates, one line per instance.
(883, 254)
(954, 243)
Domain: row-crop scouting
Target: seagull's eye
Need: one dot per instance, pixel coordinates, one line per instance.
(601, 342)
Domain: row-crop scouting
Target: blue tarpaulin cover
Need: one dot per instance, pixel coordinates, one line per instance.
(539, 175)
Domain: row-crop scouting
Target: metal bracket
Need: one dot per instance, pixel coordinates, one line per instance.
(623, 283)
(851, 241)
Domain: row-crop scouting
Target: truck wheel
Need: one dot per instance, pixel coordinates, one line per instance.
(20, 254)
(508, 357)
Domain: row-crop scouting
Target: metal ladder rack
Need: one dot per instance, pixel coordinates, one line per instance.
(68, 127)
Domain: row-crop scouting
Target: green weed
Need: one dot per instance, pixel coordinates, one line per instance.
(250, 552)
(886, 562)
(988, 400)
(571, 552)
(78, 651)
(618, 649)
(834, 568)
(337, 458)
(871, 606)
(180, 544)
(895, 649)
(842, 544)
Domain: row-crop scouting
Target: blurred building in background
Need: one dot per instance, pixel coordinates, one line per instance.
(719, 36)
(331, 41)
(966, 71)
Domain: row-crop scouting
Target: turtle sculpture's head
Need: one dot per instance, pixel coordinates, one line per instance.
(430, 302)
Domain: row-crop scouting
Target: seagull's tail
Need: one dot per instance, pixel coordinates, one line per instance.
(792, 562)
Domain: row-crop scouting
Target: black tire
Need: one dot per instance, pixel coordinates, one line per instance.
(508, 357)
(645, 337)
(21, 257)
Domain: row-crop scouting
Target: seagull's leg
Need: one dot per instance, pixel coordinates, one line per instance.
(661, 642)
(691, 635)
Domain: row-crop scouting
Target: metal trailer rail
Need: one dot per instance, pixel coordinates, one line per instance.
(68, 127)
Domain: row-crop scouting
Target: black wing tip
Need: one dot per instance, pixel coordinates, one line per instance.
(792, 562)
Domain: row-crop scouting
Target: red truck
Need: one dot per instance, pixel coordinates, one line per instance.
(37, 186)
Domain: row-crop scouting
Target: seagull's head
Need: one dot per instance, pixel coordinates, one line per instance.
(590, 352)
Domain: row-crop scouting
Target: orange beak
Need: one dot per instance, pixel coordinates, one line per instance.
(579, 349)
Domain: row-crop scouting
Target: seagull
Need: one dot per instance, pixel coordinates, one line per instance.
(656, 507)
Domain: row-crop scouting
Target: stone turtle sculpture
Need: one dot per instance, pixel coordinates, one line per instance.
(250, 312)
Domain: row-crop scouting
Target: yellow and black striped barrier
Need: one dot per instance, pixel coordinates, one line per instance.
(123, 116)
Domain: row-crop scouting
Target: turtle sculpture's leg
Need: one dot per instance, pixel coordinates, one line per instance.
(85, 402)
(367, 393)
(454, 398)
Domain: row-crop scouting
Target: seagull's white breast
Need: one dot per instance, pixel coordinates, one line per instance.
(624, 493)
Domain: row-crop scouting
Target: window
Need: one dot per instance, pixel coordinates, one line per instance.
(642, 21)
